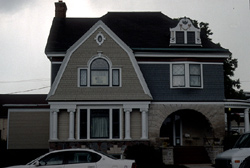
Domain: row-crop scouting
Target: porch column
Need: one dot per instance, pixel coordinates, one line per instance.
(246, 117)
(127, 123)
(54, 124)
(144, 123)
(71, 123)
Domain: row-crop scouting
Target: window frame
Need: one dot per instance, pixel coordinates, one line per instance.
(104, 70)
(80, 77)
(185, 38)
(88, 109)
(187, 76)
(89, 75)
(177, 35)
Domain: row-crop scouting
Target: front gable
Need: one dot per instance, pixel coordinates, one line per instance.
(120, 80)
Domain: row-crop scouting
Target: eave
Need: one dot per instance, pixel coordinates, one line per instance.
(182, 52)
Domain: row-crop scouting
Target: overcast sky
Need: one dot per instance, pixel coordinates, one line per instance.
(25, 26)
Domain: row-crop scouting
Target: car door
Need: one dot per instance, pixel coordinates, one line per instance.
(53, 160)
(81, 159)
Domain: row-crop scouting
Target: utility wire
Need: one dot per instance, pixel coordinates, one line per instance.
(30, 90)
(28, 80)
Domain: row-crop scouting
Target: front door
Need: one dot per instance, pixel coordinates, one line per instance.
(172, 130)
(177, 130)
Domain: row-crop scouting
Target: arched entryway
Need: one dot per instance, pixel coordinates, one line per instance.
(186, 128)
(188, 131)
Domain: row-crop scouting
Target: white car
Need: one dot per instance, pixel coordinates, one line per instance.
(78, 158)
(237, 156)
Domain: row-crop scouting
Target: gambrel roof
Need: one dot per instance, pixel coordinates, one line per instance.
(139, 30)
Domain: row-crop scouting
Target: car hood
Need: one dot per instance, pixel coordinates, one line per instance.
(238, 152)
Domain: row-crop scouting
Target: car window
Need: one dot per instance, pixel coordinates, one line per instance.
(82, 157)
(52, 159)
(243, 141)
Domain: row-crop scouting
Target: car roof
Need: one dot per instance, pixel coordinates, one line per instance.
(74, 149)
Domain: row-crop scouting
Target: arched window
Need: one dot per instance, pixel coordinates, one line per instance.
(99, 73)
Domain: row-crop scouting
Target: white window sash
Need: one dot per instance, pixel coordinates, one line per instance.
(187, 83)
(89, 120)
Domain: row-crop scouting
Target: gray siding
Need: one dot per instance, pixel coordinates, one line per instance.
(131, 88)
(157, 77)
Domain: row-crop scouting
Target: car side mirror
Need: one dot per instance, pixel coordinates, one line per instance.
(37, 163)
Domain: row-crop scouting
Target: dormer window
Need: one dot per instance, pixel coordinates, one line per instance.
(185, 34)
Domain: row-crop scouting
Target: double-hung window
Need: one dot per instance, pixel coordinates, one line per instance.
(99, 123)
(186, 75)
(195, 75)
(178, 76)
(99, 73)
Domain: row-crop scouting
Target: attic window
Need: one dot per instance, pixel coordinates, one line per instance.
(100, 38)
(185, 34)
(180, 37)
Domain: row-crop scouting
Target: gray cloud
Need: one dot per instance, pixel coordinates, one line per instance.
(13, 6)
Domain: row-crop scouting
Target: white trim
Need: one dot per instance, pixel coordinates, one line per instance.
(62, 106)
(169, 55)
(111, 123)
(79, 77)
(125, 104)
(56, 54)
(110, 108)
(56, 62)
(246, 120)
(88, 69)
(29, 110)
(121, 123)
(198, 103)
(185, 25)
(186, 75)
(88, 124)
(77, 44)
(102, 38)
(168, 62)
(237, 104)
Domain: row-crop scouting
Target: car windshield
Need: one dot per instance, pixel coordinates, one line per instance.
(243, 141)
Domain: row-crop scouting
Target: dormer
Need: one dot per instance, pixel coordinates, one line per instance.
(185, 34)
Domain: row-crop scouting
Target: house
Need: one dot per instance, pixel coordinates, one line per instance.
(128, 78)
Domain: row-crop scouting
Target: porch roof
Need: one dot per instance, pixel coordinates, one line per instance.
(236, 103)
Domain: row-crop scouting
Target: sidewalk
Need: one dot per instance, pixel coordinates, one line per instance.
(199, 165)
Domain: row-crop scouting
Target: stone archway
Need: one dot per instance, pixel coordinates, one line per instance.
(187, 128)
(213, 113)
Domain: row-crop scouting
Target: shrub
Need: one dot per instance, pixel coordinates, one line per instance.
(143, 154)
